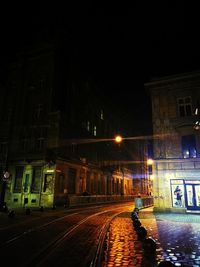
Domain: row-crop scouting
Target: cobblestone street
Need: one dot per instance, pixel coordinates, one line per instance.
(177, 239)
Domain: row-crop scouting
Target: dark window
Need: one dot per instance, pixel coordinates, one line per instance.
(185, 106)
(189, 146)
(18, 179)
(88, 189)
(36, 180)
(61, 179)
(26, 182)
(72, 181)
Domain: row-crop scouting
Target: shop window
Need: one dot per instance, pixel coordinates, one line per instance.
(177, 190)
(189, 146)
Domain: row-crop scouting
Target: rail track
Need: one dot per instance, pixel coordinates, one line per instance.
(75, 238)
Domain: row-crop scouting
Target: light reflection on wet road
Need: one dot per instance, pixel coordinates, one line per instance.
(177, 237)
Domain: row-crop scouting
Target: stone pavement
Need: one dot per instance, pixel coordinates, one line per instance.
(177, 238)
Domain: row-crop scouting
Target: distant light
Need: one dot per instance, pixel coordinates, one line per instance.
(197, 125)
(118, 139)
(50, 171)
(149, 162)
(151, 177)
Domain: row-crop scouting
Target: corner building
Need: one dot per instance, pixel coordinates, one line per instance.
(176, 142)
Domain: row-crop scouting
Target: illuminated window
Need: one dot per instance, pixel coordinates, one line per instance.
(101, 115)
(88, 126)
(185, 106)
(38, 111)
(189, 146)
(95, 131)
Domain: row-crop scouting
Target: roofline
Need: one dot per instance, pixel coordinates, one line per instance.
(174, 77)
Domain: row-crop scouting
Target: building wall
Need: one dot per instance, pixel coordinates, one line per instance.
(54, 182)
(49, 115)
(172, 123)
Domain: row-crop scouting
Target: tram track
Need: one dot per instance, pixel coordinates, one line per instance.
(64, 230)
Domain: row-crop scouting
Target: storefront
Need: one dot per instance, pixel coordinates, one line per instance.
(186, 194)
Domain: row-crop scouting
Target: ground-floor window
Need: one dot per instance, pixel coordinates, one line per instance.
(36, 180)
(48, 183)
(177, 191)
(185, 193)
(192, 194)
(18, 179)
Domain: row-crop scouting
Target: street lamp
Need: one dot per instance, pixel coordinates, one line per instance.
(118, 139)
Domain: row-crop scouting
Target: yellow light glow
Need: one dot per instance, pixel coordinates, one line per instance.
(151, 177)
(149, 162)
(50, 171)
(118, 139)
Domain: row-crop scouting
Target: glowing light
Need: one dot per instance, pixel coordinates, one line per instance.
(50, 171)
(149, 162)
(151, 177)
(118, 139)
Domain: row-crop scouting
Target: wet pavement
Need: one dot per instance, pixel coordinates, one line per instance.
(177, 239)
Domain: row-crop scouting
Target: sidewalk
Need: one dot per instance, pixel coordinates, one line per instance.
(177, 238)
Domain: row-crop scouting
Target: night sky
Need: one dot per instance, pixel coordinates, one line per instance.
(120, 48)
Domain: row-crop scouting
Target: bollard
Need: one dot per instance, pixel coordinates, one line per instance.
(142, 232)
(28, 211)
(166, 264)
(149, 246)
(41, 208)
(137, 223)
(134, 216)
(11, 214)
(136, 210)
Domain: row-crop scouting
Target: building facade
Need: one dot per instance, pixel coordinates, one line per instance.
(51, 125)
(176, 142)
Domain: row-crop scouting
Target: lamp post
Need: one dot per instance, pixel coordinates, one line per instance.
(118, 139)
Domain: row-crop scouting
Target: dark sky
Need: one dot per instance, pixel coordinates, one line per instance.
(119, 47)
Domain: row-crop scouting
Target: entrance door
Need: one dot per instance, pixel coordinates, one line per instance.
(193, 196)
